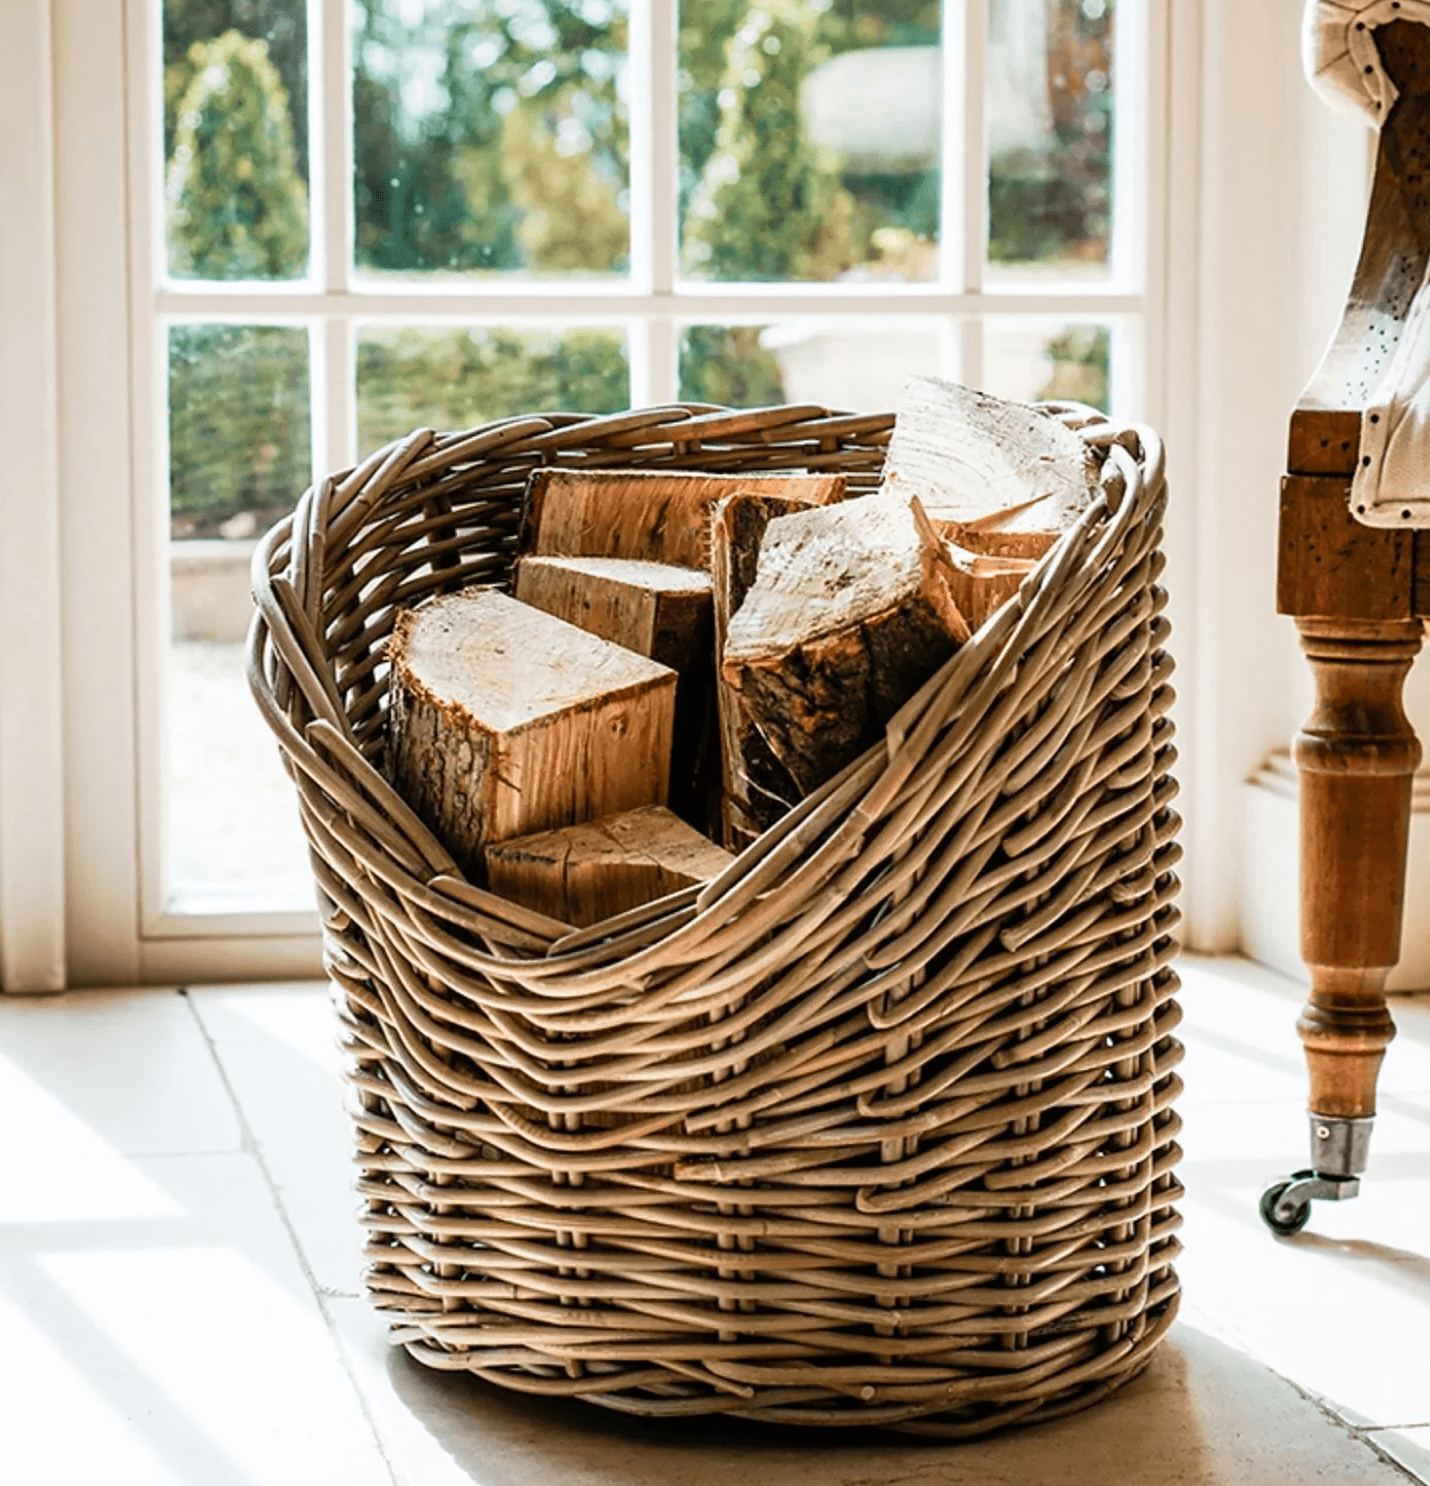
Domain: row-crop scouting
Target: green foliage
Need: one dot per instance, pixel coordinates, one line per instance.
(282, 24)
(879, 220)
(239, 429)
(726, 364)
(492, 135)
(236, 208)
(570, 214)
(705, 33)
(456, 378)
(767, 207)
(1054, 204)
(465, 122)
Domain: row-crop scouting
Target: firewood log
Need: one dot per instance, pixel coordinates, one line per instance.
(850, 613)
(661, 611)
(756, 788)
(506, 721)
(999, 478)
(645, 514)
(979, 584)
(585, 873)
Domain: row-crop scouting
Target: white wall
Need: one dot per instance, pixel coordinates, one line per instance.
(31, 719)
(1279, 200)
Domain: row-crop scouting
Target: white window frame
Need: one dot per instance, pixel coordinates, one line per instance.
(89, 72)
(651, 307)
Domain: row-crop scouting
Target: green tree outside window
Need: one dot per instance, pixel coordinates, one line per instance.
(236, 208)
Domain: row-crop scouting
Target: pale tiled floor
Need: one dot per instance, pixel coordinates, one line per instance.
(179, 1294)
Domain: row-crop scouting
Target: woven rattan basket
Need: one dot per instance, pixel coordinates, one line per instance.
(874, 1129)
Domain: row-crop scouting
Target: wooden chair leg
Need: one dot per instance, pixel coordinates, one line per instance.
(1357, 755)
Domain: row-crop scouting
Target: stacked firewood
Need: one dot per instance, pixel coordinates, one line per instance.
(683, 657)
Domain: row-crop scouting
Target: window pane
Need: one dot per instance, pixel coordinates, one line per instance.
(809, 139)
(1035, 360)
(491, 135)
(855, 364)
(239, 435)
(1050, 134)
(236, 138)
(239, 442)
(422, 376)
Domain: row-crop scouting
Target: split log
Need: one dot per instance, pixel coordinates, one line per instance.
(661, 611)
(645, 514)
(756, 789)
(999, 478)
(506, 721)
(656, 608)
(850, 613)
(585, 873)
(979, 584)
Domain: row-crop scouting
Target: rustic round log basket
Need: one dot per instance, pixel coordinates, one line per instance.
(874, 1129)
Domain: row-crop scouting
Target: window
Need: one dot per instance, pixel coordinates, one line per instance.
(366, 215)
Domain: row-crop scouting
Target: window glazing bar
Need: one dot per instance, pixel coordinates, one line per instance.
(750, 303)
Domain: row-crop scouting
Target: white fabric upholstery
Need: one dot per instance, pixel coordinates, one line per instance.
(1339, 51)
(1391, 486)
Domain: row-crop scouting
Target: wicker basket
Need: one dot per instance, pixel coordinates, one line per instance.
(876, 1128)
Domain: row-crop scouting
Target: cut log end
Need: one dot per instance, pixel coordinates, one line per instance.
(661, 611)
(506, 720)
(997, 477)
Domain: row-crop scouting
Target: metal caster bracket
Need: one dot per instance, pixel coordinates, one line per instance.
(1286, 1202)
(1339, 1147)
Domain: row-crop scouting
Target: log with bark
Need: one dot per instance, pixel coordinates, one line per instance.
(585, 873)
(850, 613)
(506, 720)
(647, 514)
(997, 478)
(756, 788)
(661, 611)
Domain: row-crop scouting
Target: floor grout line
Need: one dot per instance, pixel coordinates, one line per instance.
(1233, 1336)
(1356, 1433)
(1390, 1459)
(321, 1293)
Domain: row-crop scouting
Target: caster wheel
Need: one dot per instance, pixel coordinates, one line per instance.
(1283, 1227)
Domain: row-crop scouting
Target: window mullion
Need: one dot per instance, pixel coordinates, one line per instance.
(653, 146)
(972, 146)
(952, 170)
(664, 122)
(664, 368)
(642, 149)
(332, 171)
(334, 384)
(1131, 136)
(332, 376)
(970, 351)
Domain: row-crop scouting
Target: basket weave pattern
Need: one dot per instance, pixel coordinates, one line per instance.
(877, 1128)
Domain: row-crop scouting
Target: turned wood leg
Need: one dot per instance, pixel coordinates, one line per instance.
(1357, 756)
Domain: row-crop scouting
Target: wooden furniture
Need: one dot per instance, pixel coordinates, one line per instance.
(875, 1128)
(1358, 593)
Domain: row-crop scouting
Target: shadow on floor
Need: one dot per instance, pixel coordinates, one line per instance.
(1202, 1414)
